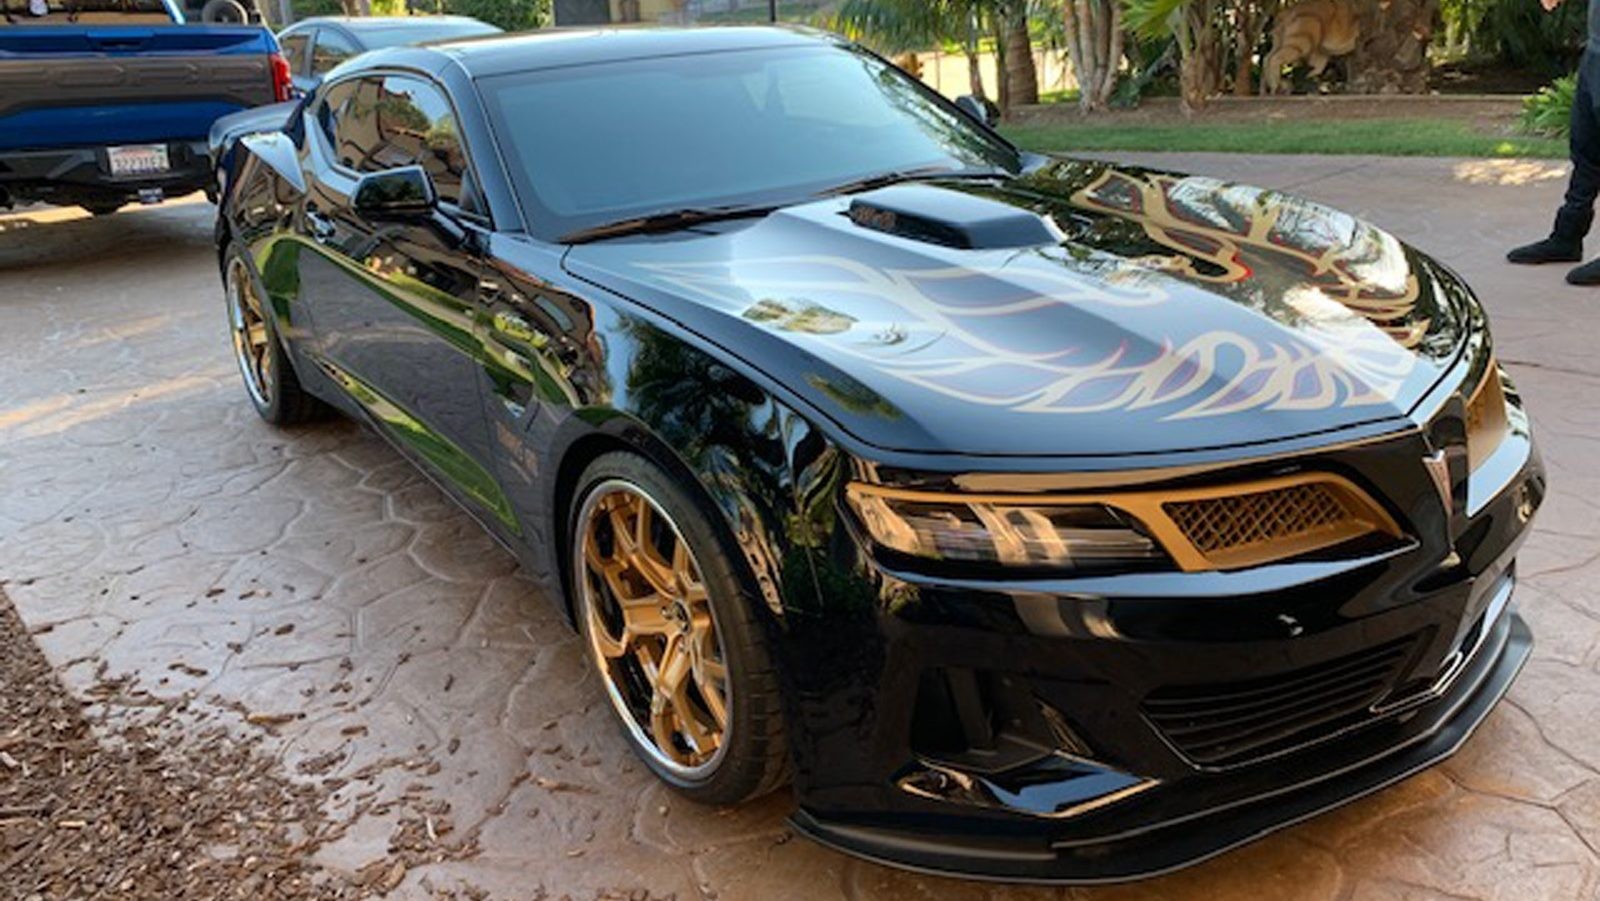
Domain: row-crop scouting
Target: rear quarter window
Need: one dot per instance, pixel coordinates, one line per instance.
(294, 50)
(331, 49)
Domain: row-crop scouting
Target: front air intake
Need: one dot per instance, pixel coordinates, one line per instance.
(1221, 724)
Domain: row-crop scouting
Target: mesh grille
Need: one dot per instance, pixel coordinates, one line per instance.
(1255, 521)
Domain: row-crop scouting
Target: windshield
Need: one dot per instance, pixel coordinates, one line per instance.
(596, 144)
(423, 32)
(84, 12)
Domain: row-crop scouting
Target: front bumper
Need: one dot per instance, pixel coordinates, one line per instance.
(75, 174)
(1171, 829)
(1102, 788)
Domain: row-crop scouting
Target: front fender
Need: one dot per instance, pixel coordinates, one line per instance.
(719, 433)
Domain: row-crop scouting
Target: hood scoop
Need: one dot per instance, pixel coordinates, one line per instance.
(950, 218)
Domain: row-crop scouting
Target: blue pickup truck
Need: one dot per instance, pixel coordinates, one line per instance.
(106, 102)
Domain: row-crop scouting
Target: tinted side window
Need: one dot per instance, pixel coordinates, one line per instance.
(391, 121)
(294, 50)
(332, 48)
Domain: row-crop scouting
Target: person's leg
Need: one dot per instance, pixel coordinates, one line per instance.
(1573, 221)
(1577, 213)
(1585, 186)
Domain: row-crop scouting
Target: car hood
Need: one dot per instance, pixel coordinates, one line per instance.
(1079, 309)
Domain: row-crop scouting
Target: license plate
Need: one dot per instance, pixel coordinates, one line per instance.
(139, 159)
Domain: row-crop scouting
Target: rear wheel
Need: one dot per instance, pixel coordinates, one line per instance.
(673, 635)
(269, 377)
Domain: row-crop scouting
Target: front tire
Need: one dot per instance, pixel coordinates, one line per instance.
(269, 377)
(673, 635)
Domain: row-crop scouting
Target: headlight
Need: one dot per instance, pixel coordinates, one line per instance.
(960, 530)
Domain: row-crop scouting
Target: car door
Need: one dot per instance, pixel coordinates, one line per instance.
(393, 303)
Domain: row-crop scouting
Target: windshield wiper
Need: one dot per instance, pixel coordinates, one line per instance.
(671, 220)
(899, 176)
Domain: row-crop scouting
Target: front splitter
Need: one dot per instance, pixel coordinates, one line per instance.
(1158, 847)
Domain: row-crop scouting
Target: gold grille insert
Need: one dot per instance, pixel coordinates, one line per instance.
(1273, 523)
(1487, 422)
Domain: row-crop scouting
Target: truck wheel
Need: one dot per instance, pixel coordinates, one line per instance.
(224, 12)
(104, 207)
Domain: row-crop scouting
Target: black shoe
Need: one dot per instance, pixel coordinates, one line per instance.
(1586, 275)
(1550, 250)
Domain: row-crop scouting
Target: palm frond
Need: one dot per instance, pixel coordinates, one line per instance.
(1151, 19)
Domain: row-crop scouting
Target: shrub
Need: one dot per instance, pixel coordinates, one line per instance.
(305, 9)
(511, 15)
(1526, 37)
(1549, 112)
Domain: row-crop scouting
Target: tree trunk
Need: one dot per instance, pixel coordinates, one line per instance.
(1113, 63)
(1021, 73)
(1000, 72)
(974, 60)
(1247, 33)
(1199, 69)
(1391, 56)
(1093, 31)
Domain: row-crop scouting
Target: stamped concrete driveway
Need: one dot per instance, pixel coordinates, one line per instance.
(313, 585)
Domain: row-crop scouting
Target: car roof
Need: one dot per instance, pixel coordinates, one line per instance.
(561, 47)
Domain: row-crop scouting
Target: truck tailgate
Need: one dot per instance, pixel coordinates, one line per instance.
(66, 88)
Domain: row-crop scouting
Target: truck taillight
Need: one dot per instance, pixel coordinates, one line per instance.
(282, 79)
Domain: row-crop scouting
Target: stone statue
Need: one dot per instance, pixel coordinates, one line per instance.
(1312, 31)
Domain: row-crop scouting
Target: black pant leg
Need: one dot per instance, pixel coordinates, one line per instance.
(1577, 212)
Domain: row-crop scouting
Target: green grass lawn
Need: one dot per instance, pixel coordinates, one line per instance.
(1391, 137)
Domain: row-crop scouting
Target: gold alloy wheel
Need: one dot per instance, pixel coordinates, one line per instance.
(651, 629)
(251, 340)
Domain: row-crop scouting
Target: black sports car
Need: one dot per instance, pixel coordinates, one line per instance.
(1038, 519)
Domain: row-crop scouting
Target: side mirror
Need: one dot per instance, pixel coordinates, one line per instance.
(404, 193)
(980, 109)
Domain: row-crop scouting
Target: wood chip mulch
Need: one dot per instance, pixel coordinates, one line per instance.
(139, 808)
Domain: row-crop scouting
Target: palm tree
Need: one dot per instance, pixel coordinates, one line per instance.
(1092, 30)
(903, 26)
(900, 26)
(1197, 25)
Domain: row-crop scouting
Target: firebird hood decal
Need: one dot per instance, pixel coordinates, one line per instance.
(1179, 313)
